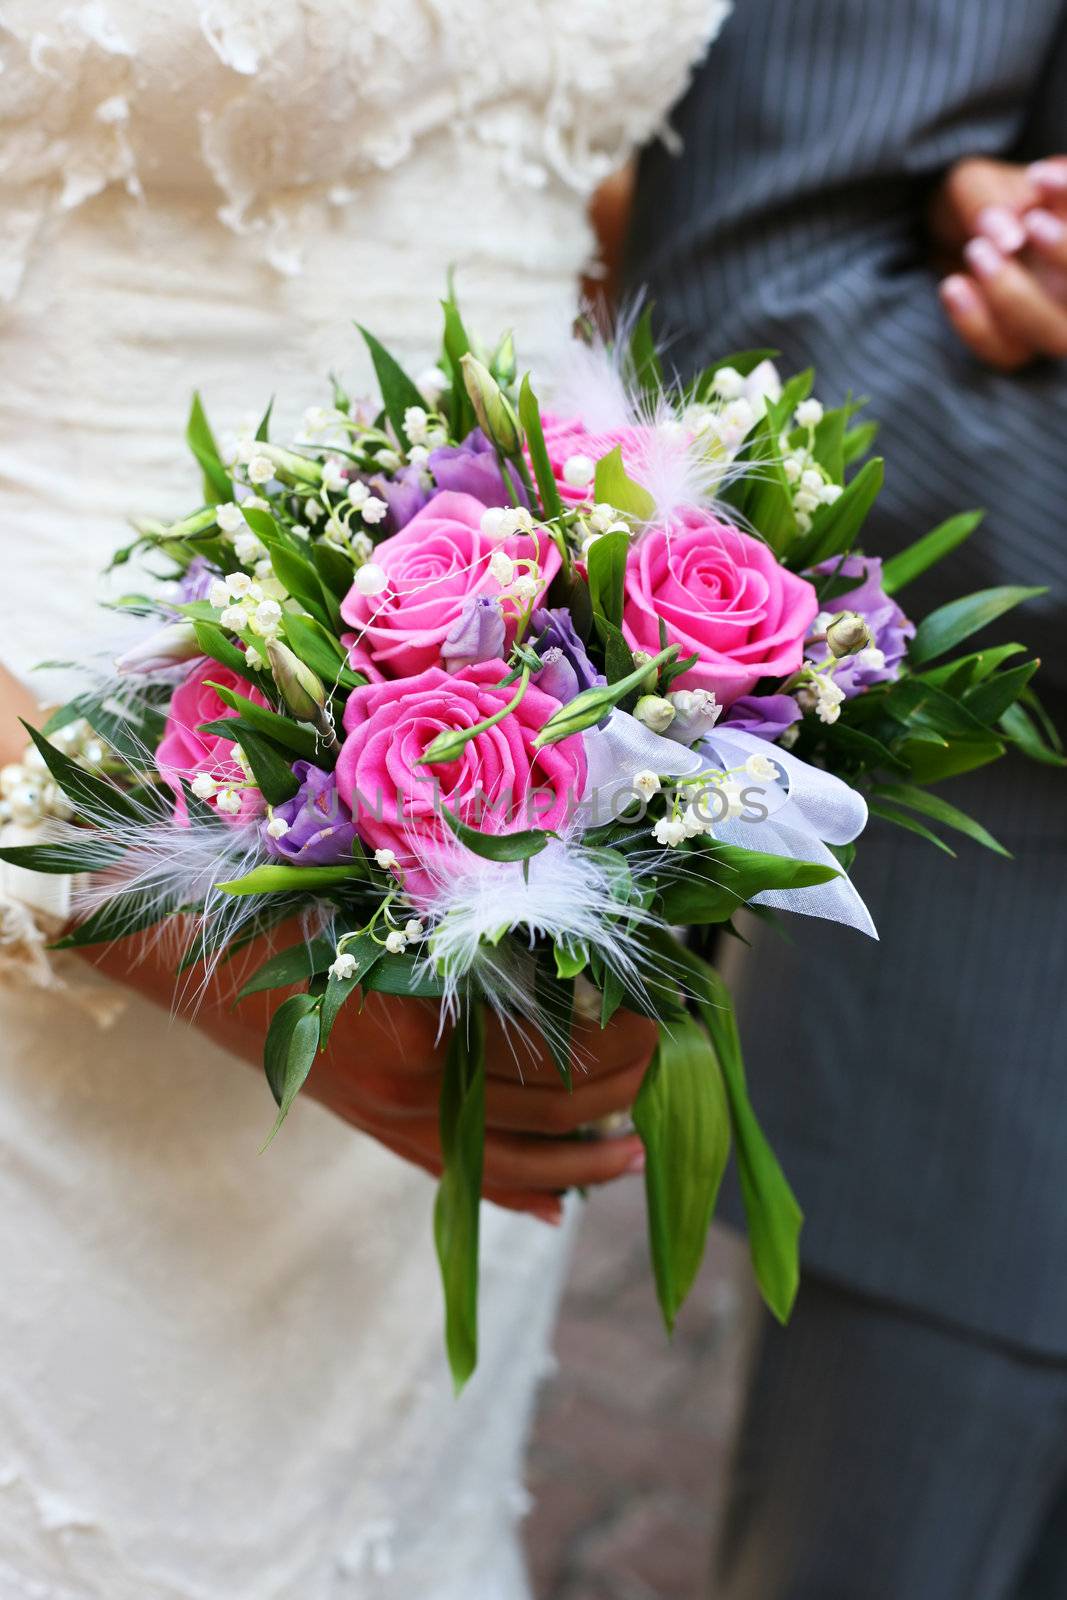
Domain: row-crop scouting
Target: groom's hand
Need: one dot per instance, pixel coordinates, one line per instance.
(1005, 226)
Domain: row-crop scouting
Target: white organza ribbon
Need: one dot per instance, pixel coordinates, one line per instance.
(807, 809)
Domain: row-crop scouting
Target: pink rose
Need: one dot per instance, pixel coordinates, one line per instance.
(183, 752)
(434, 564)
(568, 436)
(499, 784)
(721, 594)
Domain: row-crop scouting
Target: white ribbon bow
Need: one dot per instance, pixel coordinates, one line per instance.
(808, 809)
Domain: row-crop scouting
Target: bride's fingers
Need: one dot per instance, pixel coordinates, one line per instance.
(425, 1153)
(627, 1041)
(529, 1108)
(513, 1161)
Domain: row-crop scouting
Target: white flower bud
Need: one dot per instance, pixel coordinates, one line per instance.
(808, 414)
(219, 594)
(806, 501)
(204, 786)
(655, 712)
(669, 830)
(502, 568)
(395, 942)
(260, 469)
(646, 783)
(728, 383)
(229, 518)
(248, 548)
(385, 858)
(266, 617)
(761, 767)
(229, 802)
(413, 930)
(431, 384)
(374, 510)
(343, 968)
(277, 827)
(239, 584)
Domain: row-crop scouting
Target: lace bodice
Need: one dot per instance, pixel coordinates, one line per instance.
(275, 113)
(207, 192)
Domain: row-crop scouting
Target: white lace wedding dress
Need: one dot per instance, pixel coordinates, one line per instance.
(221, 1374)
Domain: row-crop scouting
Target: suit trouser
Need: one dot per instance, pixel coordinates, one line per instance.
(883, 1456)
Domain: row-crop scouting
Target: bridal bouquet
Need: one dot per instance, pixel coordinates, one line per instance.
(489, 704)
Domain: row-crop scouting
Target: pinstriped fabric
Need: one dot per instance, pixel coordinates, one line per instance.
(920, 1104)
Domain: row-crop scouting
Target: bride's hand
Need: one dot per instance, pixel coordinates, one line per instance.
(382, 1073)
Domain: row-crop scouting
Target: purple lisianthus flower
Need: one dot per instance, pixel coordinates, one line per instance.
(471, 468)
(765, 716)
(195, 581)
(478, 634)
(405, 494)
(890, 628)
(320, 827)
(568, 669)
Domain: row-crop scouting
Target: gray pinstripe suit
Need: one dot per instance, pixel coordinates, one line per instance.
(918, 1093)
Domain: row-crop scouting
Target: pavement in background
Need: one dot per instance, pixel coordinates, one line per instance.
(633, 1431)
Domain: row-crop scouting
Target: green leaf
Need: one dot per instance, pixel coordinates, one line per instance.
(92, 856)
(271, 769)
(530, 418)
(93, 796)
(928, 764)
(367, 952)
(263, 431)
(682, 1117)
(901, 819)
(289, 1051)
(304, 584)
(774, 1218)
(290, 880)
(457, 344)
(214, 643)
(932, 805)
(715, 880)
(613, 993)
(606, 564)
(117, 918)
(295, 736)
(763, 494)
(988, 701)
(456, 1211)
(201, 441)
(947, 626)
(902, 569)
(397, 390)
(403, 975)
(644, 359)
(554, 1003)
(858, 441)
(498, 846)
(835, 528)
(295, 965)
(319, 650)
(614, 484)
(333, 567)
(1024, 732)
